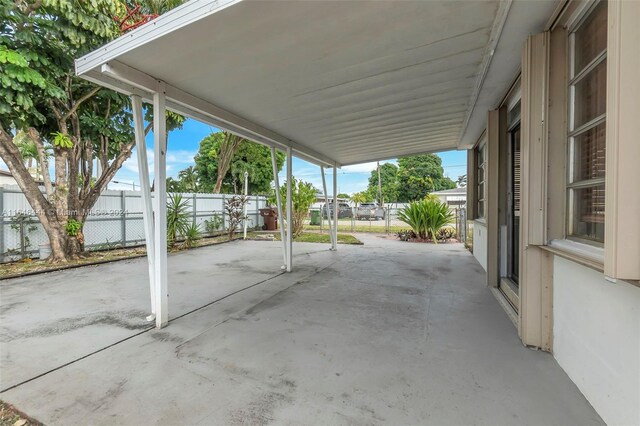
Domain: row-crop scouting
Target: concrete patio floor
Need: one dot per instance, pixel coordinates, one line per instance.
(385, 333)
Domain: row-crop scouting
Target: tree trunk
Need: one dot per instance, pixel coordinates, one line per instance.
(43, 209)
(43, 160)
(227, 150)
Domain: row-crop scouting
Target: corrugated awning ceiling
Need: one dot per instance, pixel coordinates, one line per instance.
(346, 81)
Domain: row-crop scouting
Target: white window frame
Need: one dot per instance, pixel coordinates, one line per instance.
(577, 20)
(481, 198)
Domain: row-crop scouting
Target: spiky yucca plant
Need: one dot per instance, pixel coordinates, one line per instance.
(426, 217)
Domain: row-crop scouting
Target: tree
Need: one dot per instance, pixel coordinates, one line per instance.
(389, 177)
(188, 179)
(420, 174)
(343, 195)
(360, 197)
(303, 195)
(462, 181)
(223, 153)
(249, 156)
(77, 120)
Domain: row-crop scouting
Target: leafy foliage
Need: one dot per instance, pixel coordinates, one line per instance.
(212, 225)
(234, 207)
(446, 233)
(406, 235)
(420, 174)
(390, 184)
(73, 227)
(249, 156)
(38, 42)
(178, 219)
(76, 120)
(303, 195)
(412, 179)
(426, 217)
(361, 197)
(191, 235)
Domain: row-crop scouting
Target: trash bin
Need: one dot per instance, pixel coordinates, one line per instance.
(315, 217)
(270, 216)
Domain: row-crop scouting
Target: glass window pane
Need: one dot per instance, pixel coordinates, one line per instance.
(588, 215)
(589, 154)
(481, 209)
(480, 155)
(481, 174)
(591, 95)
(591, 37)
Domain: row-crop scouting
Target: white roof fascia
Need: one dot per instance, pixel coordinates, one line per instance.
(494, 38)
(124, 79)
(179, 17)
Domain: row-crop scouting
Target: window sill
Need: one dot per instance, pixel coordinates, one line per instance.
(584, 254)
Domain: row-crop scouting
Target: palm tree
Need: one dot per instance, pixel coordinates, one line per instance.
(359, 198)
(189, 179)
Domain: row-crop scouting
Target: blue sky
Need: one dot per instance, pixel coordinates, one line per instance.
(184, 143)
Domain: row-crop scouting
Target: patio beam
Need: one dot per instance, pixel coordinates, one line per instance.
(189, 105)
(276, 181)
(160, 204)
(147, 208)
(289, 210)
(326, 204)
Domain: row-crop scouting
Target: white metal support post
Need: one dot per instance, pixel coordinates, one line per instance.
(334, 243)
(289, 210)
(145, 186)
(326, 204)
(246, 201)
(276, 181)
(160, 205)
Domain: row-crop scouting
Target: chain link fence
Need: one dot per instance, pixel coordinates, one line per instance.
(389, 224)
(115, 221)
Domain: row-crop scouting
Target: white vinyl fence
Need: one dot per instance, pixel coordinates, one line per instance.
(115, 220)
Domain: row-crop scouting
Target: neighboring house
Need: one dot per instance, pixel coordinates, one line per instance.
(6, 178)
(455, 198)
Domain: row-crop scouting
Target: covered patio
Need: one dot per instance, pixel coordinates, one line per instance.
(384, 333)
(333, 83)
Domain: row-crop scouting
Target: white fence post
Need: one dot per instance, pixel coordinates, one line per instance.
(125, 224)
(1, 224)
(123, 218)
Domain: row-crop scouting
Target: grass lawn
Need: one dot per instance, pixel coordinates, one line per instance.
(362, 228)
(314, 237)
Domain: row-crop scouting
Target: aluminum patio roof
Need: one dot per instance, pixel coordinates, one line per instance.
(339, 82)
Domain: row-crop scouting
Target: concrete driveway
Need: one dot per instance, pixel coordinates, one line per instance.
(385, 333)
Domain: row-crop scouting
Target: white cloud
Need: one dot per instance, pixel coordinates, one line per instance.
(365, 167)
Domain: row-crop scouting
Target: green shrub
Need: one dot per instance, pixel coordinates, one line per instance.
(446, 233)
(212, 225)
(178, 220)
(406, 235)
(191, 235)
(73, 227)
(426, 217)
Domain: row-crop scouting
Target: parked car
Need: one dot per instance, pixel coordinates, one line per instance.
(369, 211)
(344, 210)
